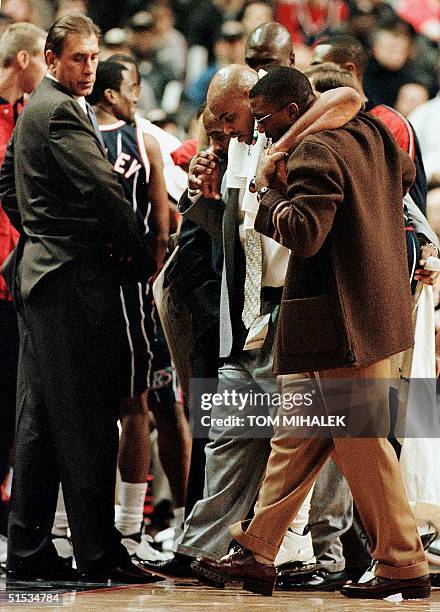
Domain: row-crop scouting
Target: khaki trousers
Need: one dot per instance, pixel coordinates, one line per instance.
(372, 470)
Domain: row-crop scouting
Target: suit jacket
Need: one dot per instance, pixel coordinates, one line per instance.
(346, 301)
(65, 197)
(219, 220)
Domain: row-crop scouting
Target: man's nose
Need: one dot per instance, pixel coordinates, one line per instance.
(89, 66)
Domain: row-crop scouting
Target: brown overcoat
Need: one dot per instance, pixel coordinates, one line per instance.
(346, 300)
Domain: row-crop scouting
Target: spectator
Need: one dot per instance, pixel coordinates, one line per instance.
(410, 97)
(171, 44)
(19, 10)
(64, 7)
(390, 66)
(307, 20)
(426, 122)
(423, 15)
(365, 16)
(255, 14)
(155, 75)
(115, 41)
(229, 49)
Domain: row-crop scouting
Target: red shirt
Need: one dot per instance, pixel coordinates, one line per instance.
(8, 234)
(306, 23)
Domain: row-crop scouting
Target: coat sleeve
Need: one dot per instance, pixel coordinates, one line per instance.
(207, 214)
(315, 186)
(8, 194)
(80, 156)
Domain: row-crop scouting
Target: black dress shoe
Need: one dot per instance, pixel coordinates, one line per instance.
(129, 573)
(378, 588)
(320, 580)
(178, 567)
(50, 572)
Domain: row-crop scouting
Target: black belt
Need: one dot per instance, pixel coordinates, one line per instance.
(271, 294)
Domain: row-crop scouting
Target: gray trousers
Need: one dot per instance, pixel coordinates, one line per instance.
(234, 466)
(331, 515)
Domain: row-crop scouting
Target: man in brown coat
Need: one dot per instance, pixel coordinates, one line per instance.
(346, 309)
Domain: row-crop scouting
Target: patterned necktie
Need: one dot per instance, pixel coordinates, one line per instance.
(252, 284)
(94, 122)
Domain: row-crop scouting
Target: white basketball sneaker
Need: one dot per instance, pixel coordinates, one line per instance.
(139, 548)
(296, 551)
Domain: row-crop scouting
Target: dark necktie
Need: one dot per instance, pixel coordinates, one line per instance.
(93, 121)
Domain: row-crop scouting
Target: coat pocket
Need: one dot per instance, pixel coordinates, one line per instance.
(307, 326)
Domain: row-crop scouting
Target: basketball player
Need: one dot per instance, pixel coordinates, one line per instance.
(136, 158)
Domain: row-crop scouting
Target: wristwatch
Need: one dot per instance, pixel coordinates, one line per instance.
(262, 192)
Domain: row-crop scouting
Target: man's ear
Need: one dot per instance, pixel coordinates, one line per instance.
(22, 59)
(51, 59)
(293, 110)
(110, 96)
(350, 67)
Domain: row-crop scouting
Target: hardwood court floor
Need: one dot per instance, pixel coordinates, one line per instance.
(185, 595)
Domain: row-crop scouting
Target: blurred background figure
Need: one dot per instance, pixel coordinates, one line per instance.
(426, 122)
(411, 96)
(308, 20)
(170, 43)
(256, 13)
(394, 62)
(229, 49)
(64, 7)
(19, 10)
(423, 15)
(156, 74)
(115, 41)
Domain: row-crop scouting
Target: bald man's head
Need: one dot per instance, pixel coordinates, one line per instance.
(270, 44)
(228, 100)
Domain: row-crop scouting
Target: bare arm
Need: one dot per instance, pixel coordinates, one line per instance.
(158, 198)
(333, 109)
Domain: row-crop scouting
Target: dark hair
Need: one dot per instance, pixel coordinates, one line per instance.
(69, 24)
(284, 85)
(123, 58)
(345, 49)
(108, 76)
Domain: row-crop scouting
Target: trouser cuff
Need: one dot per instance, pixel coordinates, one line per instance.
(402, 573)
(255, 545)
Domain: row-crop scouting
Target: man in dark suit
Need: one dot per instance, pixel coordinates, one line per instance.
(78, 235)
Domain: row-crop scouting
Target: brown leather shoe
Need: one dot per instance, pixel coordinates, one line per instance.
(238, 566)
(378, 588)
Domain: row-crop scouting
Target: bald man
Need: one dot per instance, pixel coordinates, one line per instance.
(269, 44)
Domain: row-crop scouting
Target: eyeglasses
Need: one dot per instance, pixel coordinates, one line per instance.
(261, 120)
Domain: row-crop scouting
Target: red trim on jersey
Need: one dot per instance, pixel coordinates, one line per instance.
(398, 126)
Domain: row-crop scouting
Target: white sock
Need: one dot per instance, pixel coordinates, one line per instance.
(132, 498)
(60, 523)
(301, 520)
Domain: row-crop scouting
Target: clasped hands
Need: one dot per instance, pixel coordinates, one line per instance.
(204, 175)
